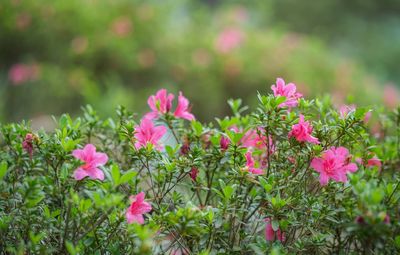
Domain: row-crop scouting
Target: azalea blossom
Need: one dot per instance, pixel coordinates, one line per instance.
(334, 164)
(27, 144)
(250, 164)
(193, 173)
(21, 73)
(147, 133)
(270, 234)
(288, 91)
(344, 110)
(92, 160)
(374, 162)
(228, 40)
(224, 143)
(137, 208)
(182, 109)
(255, 139)
(302, 131)
(161, 103)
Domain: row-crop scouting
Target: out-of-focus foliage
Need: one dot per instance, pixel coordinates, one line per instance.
(58, 55)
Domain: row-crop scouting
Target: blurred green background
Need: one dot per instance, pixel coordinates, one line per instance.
(56, 56)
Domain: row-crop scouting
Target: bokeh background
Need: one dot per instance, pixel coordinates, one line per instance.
(56, 56)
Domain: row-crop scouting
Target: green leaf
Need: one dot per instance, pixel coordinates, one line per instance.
(70, 248)
(127, 177)
(3, 169)
(275, 225)
(197, 128)
(115, 174)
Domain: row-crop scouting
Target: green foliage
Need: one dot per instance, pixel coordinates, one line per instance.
(44, 210)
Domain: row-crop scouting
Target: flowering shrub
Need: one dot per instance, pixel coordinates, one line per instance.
(292, 176)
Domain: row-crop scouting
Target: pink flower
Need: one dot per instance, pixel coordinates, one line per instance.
(224, 143)
(21, 73)
(147, 133)
(288, 91)
(92, 160)
(334, 164)
(182, 109)
(228, 40)
(250, 165)
(257, 140)
(122, 26)
(302, 131)
(159, 104)
(374, 162)
(27, 144)
(270, 233)
(193, 173)
(344, 110)
(137, 208)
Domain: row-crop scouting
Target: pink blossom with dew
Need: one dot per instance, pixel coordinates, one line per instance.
(372, 162)
(302, 131)
(224, 143)
(288, 91)
(228, 40)
(344, 110)
(193, 173)
(137, 208)
(92, 161)
(160, 103)
(147, 133)
(21, 73)
(334, 164)
(270, 234)
(250, 165)
(182, 109)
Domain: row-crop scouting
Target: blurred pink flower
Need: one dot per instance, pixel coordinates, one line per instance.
(250, 165)
(229, 39)
(224, 143)
(288, 91)
(344, 110)
(391, 97)
(161, 103)
(302, 131)
(257, 140)
(21, 73)
(270, 233)
(147, 133)
(92, 160)
(193, 173)
(79, 44)
(182, 109)
(27, 144)
(374, 162)
(137, 208)
(23, 20)
(122, 26)
(334, 164)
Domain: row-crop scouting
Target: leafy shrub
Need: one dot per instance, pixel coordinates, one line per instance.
(291, 176)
